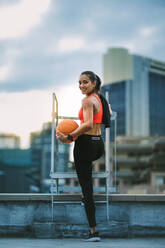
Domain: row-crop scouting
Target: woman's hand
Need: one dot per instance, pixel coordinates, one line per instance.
(62, 137)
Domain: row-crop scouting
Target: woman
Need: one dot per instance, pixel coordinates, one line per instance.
(89, 145)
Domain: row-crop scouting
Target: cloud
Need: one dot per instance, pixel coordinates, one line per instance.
(8, 2)
(66, 37)
(147, 31)
(46, 44)
(70, 44)
(17, 20)
(5, 71)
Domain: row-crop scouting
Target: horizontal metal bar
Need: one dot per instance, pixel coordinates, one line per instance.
(68, 117)
(74, 175)
(70, 202)
(77, 189)
(77, 202)
(96, 189)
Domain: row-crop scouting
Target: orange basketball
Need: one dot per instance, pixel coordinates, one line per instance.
(67, 126)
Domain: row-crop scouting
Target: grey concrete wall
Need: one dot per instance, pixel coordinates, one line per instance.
(130, 216)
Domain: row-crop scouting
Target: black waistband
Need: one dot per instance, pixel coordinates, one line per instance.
(92, 137)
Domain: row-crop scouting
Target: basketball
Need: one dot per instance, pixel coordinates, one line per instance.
(66, 127)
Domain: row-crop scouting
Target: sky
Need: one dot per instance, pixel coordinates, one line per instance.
(46, 44)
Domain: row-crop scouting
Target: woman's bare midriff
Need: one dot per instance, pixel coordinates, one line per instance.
(96, 130)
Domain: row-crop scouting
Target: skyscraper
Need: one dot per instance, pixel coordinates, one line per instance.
(137, 92)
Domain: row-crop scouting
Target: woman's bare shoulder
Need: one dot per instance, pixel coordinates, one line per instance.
(87, 101)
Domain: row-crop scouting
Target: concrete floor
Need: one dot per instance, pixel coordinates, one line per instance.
(78, 243)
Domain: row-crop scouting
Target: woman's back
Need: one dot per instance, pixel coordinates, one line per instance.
(97, 110)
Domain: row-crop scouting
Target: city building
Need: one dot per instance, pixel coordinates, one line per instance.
(9, 141)
(136, 87)
(140, 165)
(40, 143)
(14, 167)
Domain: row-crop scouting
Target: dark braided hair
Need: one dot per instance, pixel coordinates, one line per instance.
(93, 77)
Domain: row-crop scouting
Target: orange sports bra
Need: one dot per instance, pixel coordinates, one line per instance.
(97, 118)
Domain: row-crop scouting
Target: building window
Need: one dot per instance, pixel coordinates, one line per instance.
(160, 180)
(157, 103)
(118, 102)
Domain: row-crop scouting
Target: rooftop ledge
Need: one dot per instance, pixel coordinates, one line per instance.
(77, 197)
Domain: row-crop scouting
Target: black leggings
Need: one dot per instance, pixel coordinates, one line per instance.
(87, 149)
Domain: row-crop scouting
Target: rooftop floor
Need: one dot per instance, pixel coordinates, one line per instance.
(78, 243)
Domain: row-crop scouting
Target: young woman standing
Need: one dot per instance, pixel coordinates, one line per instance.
(89, 146)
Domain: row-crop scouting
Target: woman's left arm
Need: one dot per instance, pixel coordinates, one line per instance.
(87, 106)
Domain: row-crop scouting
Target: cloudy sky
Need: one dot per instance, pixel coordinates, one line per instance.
(46, 44)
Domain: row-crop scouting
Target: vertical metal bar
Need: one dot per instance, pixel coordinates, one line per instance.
(52, 137)
(107, 160)
(54, 124)
(115, 151)
(52, 154)
(52, 199)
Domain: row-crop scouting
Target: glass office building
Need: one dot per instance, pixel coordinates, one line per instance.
(136, 87)
(156, 103)
(117, 100)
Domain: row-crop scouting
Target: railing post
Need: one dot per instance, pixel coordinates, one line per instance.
(107, 159)
(115, 176)
(54, 124)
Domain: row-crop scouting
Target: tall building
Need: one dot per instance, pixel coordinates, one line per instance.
(137, 92)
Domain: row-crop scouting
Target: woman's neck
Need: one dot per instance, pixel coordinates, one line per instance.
(96, 93)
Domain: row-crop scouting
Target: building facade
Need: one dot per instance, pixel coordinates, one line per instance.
(40, 143)
(141, 165)
(11, 141)
(136, 85)
(15, 165)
